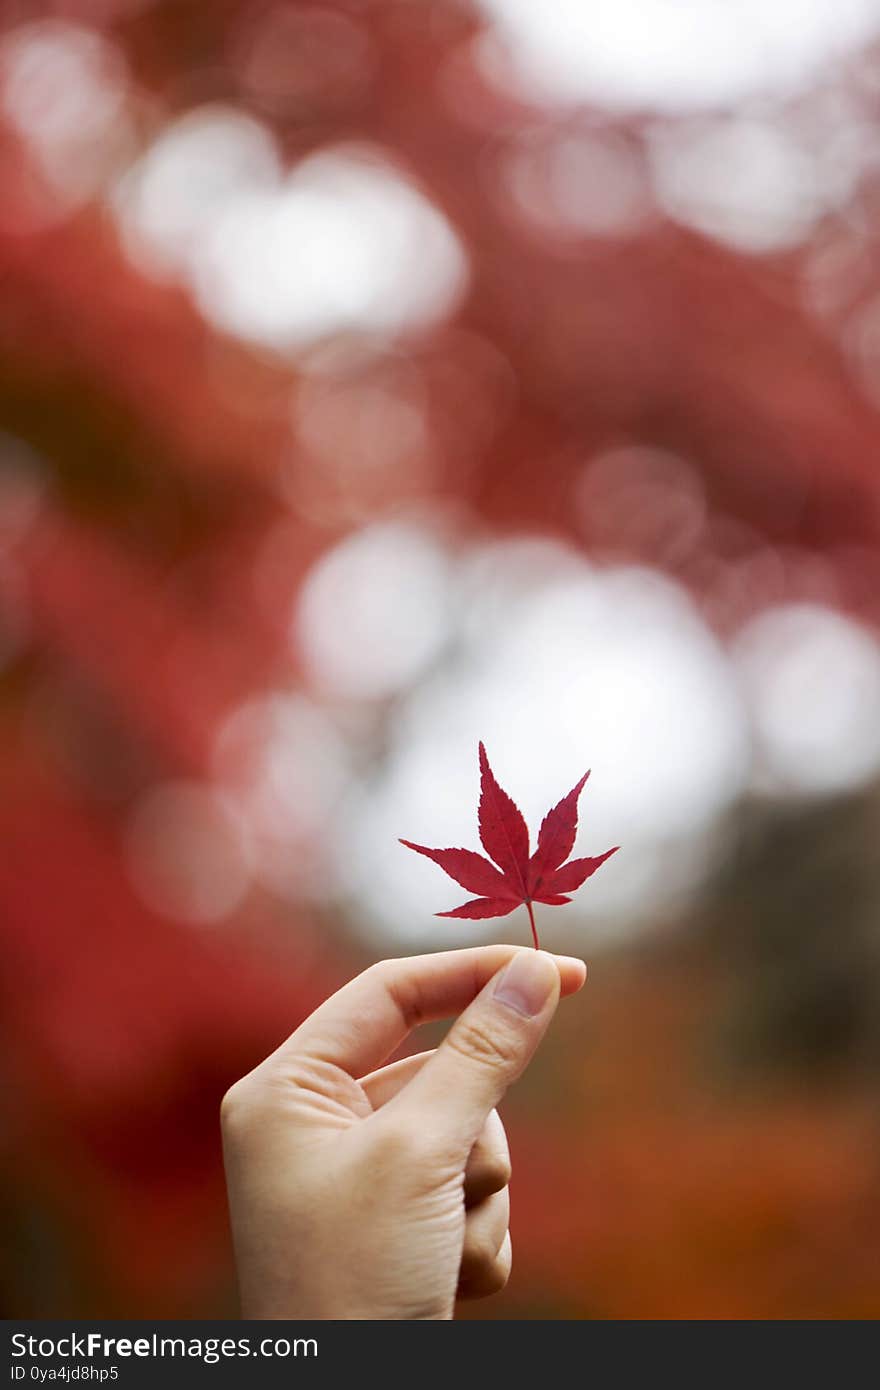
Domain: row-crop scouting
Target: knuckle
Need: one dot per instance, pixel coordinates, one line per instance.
(502, 1169)
(383, 972)
(390, 978)
(234, 1106)
(493, 1172)
(379, 970)
(485, 1176)
(476, 1040)
(497, 1276)
(481, 1281)
(477, 1258)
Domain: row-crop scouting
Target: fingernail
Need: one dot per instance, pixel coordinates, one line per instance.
(527, 983)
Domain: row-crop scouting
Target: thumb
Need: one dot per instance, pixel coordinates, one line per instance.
(487, 1048)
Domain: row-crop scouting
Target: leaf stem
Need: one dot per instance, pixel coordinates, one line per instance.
(532, 923)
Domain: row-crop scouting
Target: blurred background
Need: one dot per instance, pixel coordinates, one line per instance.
(378, 376)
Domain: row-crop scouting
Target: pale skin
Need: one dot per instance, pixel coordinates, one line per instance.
(359, 1190)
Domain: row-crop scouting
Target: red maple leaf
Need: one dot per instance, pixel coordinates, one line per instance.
(519, 878)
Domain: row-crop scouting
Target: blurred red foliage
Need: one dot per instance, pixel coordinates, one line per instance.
(160, 444)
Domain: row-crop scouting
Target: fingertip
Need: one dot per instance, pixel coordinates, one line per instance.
(572, 974)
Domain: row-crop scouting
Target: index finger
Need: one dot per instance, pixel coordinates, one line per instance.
(360, 1025)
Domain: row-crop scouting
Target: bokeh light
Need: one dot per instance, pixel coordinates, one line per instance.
(64, 88)
(196, 170)
(343, 242)
(578, 183)
(284, 767)
(186, 853)
(745, 181)
(649, 53)
(812, 681)
(374, 611)
(363, 436)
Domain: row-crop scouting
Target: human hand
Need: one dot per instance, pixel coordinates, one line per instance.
(362, 1193)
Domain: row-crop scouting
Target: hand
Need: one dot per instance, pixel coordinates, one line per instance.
(362, 1193)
